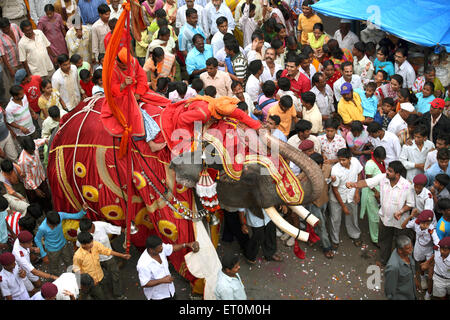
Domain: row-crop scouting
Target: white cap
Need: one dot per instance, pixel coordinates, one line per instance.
(346, 21)
(407, 106)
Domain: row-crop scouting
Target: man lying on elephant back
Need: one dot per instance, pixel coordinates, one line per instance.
(178, 116)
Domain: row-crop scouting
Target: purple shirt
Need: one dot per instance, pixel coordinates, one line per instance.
(53, 30)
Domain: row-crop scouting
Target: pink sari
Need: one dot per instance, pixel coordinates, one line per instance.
(151, 12)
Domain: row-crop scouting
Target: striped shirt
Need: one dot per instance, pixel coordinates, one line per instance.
(9, 47)
(13, 221)
(239, 65)
(20, 114)
(32, 167)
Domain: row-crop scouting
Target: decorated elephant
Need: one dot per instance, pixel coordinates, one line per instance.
(84, 166)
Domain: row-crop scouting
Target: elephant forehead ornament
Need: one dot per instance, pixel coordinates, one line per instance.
(206, 190)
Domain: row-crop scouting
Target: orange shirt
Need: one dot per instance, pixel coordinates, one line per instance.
(89, 262)
(305, 25)
(286, 117)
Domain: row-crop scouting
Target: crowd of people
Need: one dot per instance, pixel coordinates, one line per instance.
(359, 109)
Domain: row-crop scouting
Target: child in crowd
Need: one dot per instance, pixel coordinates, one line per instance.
(273, 122)
(101, 58)
(51, 122)
(385, 114)
(441, 143)
(369, 101)
(97, 80)
(357, 138)
(162, 85)
(77, 60)
(284, 85)
(31, 85)
(50, 97)
(344, 200)
(286, 111)
(441, 271)
(413, 156)
(266, 100)
(423, 199)
(210, 91)
(86, 82)
(443, 225)
(426, 239)
(331, 142)
(381, 77)
(424, 98)
(439, 190)
(198, 86)
(35, 181)
(182, 92)
(311, 112)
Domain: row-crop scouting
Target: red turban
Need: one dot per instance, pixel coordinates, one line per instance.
(49, 290)
(420, 179)
(25, 236)
(7, 258)
(306, 145)
(424, 216)
(445, 243)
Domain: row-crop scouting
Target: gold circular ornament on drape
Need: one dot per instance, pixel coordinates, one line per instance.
(90, 193)
(80, 170)
(142, 218)
(112, 212)
(139, 180)
(168, 229)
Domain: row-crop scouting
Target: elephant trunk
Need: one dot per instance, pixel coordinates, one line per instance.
(306, 164)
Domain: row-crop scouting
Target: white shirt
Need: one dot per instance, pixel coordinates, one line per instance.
(411, 155)
(221, 55)
(425, 238)
(397, 124)
(344, 175)
(312, 72)
(175, 97)
(295, 142)
(407, 72)
(392, 199)
(181, 15)
(441, 265)
(324, 101)
(248, 48)
(12, 284)
(22, 256)
(101, 232)
(37, 8)
(349, 40)
(431, 159)
(253, 87)
(359, 68)
(115, 14)
(297, 102)
(355, 82)
(99, 31)
(34, 52)
(424, 201)
(68, 86)
(265, 76)
(391, 144)
(249, 102)
(217, 41)
(150, 269)
(210, 15)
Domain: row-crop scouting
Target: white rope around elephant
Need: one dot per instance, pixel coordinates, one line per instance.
(87, 109)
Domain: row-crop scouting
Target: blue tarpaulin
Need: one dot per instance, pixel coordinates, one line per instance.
(423, 22)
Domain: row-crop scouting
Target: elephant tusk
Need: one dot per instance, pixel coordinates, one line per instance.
(305, 215)
(285, 226)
